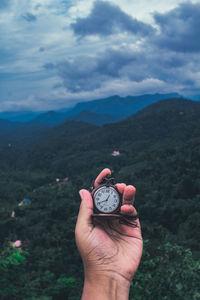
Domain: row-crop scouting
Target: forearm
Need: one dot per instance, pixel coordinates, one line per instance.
(106, 287)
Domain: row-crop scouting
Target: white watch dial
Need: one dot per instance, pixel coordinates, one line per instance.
(106, 199)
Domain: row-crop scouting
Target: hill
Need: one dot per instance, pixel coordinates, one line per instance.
(116, 107)
(102, 111)
(18, 116)
(159, 149)
(95, 118)
(159, 154)
(169, 119)
(124, 106)
(51, 117)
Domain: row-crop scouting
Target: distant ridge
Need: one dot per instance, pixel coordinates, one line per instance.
(94, 118)
(18, 116)
(173, 119)
(115, 106)
(104, 111)
(170, 119)
(51, 117)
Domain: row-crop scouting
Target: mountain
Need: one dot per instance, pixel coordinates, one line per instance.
(159, 154)
(160, 121)
(6, 125)
(51, 117)
(102, 111)
(18, 131)
(171, 104)
(194, 97)
(18, 116)
(116, 107)
(94, 118)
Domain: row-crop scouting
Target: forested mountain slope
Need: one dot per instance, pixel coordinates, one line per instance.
(169, 122)
(159, 154)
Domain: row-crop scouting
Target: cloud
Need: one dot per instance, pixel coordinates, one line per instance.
(106, 19)
(179, 28)
(80, 74)
(121, 54)
(41, 49)
(29, 17)
(4, 4)
(88, 73)
(49, 66)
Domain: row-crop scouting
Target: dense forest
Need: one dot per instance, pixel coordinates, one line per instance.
(159, 154)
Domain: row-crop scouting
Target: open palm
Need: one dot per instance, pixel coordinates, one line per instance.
(105, 245)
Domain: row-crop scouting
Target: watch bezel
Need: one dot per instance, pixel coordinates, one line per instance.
(96, 210)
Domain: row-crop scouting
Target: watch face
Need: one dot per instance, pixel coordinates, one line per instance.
(106, 199)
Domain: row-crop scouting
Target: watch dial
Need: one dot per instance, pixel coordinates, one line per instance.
(106, 199)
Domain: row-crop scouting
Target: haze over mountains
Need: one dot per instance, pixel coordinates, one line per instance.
(159, 120)
(96, 112)
(101, 111)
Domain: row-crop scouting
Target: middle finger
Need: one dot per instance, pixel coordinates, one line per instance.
(129, 195)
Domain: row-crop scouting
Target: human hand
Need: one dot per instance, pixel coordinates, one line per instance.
(110, 251)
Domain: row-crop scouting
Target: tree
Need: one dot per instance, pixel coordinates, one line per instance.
(12, 272)
(170, 273)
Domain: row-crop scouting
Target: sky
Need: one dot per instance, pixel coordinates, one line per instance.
(55, 53)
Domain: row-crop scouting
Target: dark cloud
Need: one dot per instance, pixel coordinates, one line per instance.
(106, 18)
(179, 28)
(29, 17)
(81, 74)
(87, 73)
(164, 55)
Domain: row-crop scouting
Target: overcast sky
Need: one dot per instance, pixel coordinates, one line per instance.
(55, 53)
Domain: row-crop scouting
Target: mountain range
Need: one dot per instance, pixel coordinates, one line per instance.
(101, 111)
(159, 121)
(159, 154)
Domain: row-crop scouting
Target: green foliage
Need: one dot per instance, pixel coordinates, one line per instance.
(160, 155)
(12, 271)
(166, 272)
(63, 287)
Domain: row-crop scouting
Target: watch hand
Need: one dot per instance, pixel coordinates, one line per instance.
(104, 200)
(107, 198)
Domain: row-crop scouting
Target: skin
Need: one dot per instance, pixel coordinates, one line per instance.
(110, 254)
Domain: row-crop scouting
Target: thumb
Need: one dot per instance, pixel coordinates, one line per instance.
(84, 221)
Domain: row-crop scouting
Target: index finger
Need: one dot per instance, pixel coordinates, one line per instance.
(99, 178)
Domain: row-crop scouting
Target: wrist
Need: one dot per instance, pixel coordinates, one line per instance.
(106, 285)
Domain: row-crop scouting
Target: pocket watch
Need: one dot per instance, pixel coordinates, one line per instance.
(107, 199)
